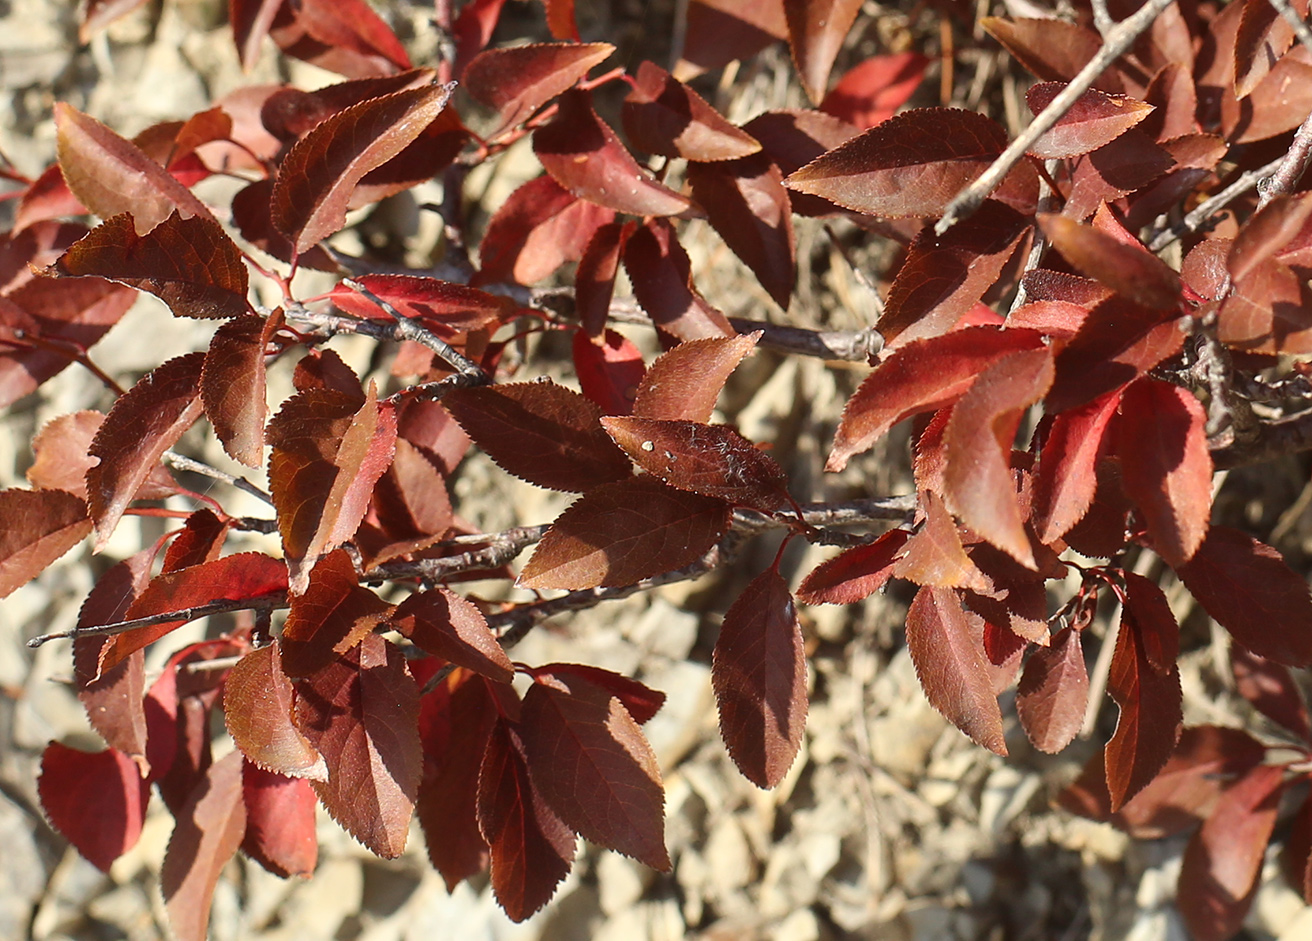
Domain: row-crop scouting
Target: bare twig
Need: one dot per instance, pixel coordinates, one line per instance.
(183, 463)
(411, 329)
(1204, 211)
(1271, 440)
(270, 601)
(502, 547)
(1116, 42)
(1292, 165)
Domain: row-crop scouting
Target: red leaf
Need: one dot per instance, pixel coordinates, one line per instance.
(251, 20)
(361, 712)
(1262, 38)
(943, 277)
(623, 532)
(1248, 589)
(142, 425)
(854, 574)
(209, 829)
(935, 556)
(1149, 723)
(591, 764)
(610, 370)
(1053, 49)
(409, 511)
(816, 30)
(951, 666)
(1271, 688)
(1095, 119)
(910, 165)
(1129, 163)
(330, 618)
(664, 116)
(1130, 271)
(873, 91)
(541, 432)
(1268, 231)
(280, 830)
(594, 281)
(448, 626)
(1266, 311)
(1066, 479)
(1053, 692)
(685, 382)
(258, 707)
(36, 528)
(1165, 465)
(713, 460)
(560, 19)
(191, 264)
(97, 800)
(345, 37)
(110, 175)
(328, 453)
(446, 308)
(1222, 863)
(793, 139)
(539, 228)
(518, 81)
(642, 702)
(759, 674)
(745, 201)
(977, 481)
(316, 178)
(720, 31)
(531, 849)
(922, 376)
(233, 385)
(1159, 634)
(584, 155)
(661, 274)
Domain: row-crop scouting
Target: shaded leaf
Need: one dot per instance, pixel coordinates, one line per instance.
(1159, 634)
(1052, 49)
(1268, 231)
(854, 574)
(344, 37)
(661, 274)
(36, 528)
(720, 31)
(518, 81)
(280, 827)
(1129, 163)
(594, 281)
(664, 116)
(1263, 37)
(1053, 692)
(330, 618)
(1271, 688)
(258, 708)
(792, 139)
(641, 701)
(233, 385)
(409, 511)
(97, 800)
(1266, 311)
(539, 228)
(1066, 478)
(450, 627)
(1150, 718)
(610, 370)
(816, 30)
(685, 382)
(1130, 271)
(872, 91)
(1095, 119)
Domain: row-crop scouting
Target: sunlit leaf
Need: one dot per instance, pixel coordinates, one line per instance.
(1053, 692)
(448, 626)
(685, 382)
(36, 528)
(816, 30)
(518, 81)
(280, 824)
(258, 708)
(664, 116)
(854, 574)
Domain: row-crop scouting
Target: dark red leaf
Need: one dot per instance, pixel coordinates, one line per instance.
(593, 766)
(541, 432)
(685, 382)
(720, 31)
(539, 228)
(1159, 634)
(594, 282)
(36, 528)
(642, 702)
(560, 19)
(251, 20)
(1095, 119)
(1130, 271)
(97, 800)
(361, 712)
(792, 139)
(610, 370)
(661, 274)
(1066, 479)
(759, 674)
(280, 832)
(448, 626)
(664, 116)
(1263, 37)
(871, 92)
(444, 307)
(1271, 688)
(1267, 311)
(816, 30)
(1053, 49)
(333, 615)
(518, 81)
(409, 511)
(585, 156)
(855, 573)
(233, 385)
(344, 37)
(258, 707)
(1129, 163)
(1269, 230)
(1053, 692)
(623, 532)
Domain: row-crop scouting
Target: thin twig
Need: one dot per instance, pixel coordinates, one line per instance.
(1292, 165)
(502, 548)
(1271, 440)
(1285, 9)
(1116, 42)
(1204, 211)
(183, 463)
(270, 601)
(411, 329)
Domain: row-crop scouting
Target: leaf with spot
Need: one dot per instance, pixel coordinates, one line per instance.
(448, 626)
(259, 708)
(684, 383)
(518, 81)
(97, 800)
(664, 116)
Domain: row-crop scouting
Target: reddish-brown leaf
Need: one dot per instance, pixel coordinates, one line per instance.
(409, 511)
(1268, 231)
(1271, 688)
(209, 829)
(872, 92)
(585, 156)
(610, 370)
(251, 208)
(1066, 479)
(922, 376)
(1150, 719)
(258, 707)
(316, 178)
(642, 701)
(720, 31)
(1165, 465)
(251, 20)
(759, 674)
(943, 277)
(36, 528)
(328, 453)
(448, 626)
(541, 432)
(854, 574)
(361, 712)
(935, 555)
(1053, 692)
(444, 307)
(518, 81)
(1131, 162)
(1248, 589)
(190, 264)
(594, 281)
(623, 532)
(351, 31)
(910, 165)
(664, 116)
(684, 383)
(816, 30)
(324, 371)
(1219, 873)
(1267, 311)
(1095, 119)
(661, 274)
(745, 201)
(531, 848)
(1053, 49)
(233, 385)
(97, 800)
(1130, 271)
(593, 766)
(977, 481)
(142, 425)
(1159, 633)
(330, 618)
(560, 19)
(713, 460)
(280, 829)
(535, 231)
(1263, 37)
(792, 139)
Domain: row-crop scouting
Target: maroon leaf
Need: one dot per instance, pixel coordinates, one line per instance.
(1066, 479)
(854, 574)
(713, 460)
(1219, 873)
(816, 30)
(1271, 688)
(873, 91)
(541, 432)
(345, 37)
(793, 139)
(448, 626)
(610, 370)
(623, 532)
(539, 228)
(642, 702)
(1129, 163)
(661, 274)
(584, 155)
(594, 282)
(1269, 230)
(1159, 634)
(1053, 49)
(316, 178)
(36, 528)
(190, 264)
(593, 766)
(444, 307)
(1130, 271)
(1165, 465)
(97, 800)
(684, 383)
(664, 116)
(759, 674)
(560, 19)
(251, 20)
(720, 31)
(1053, 692)
(1267, 311)
(258, 707)
(409, 511)
(1248, 589)
(1263, 37)
(518, 81)
(233, 385)
(361, 713)
(209, 829)
(1095, 119)
(280, 833)
(333, 615)
(142, 425)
